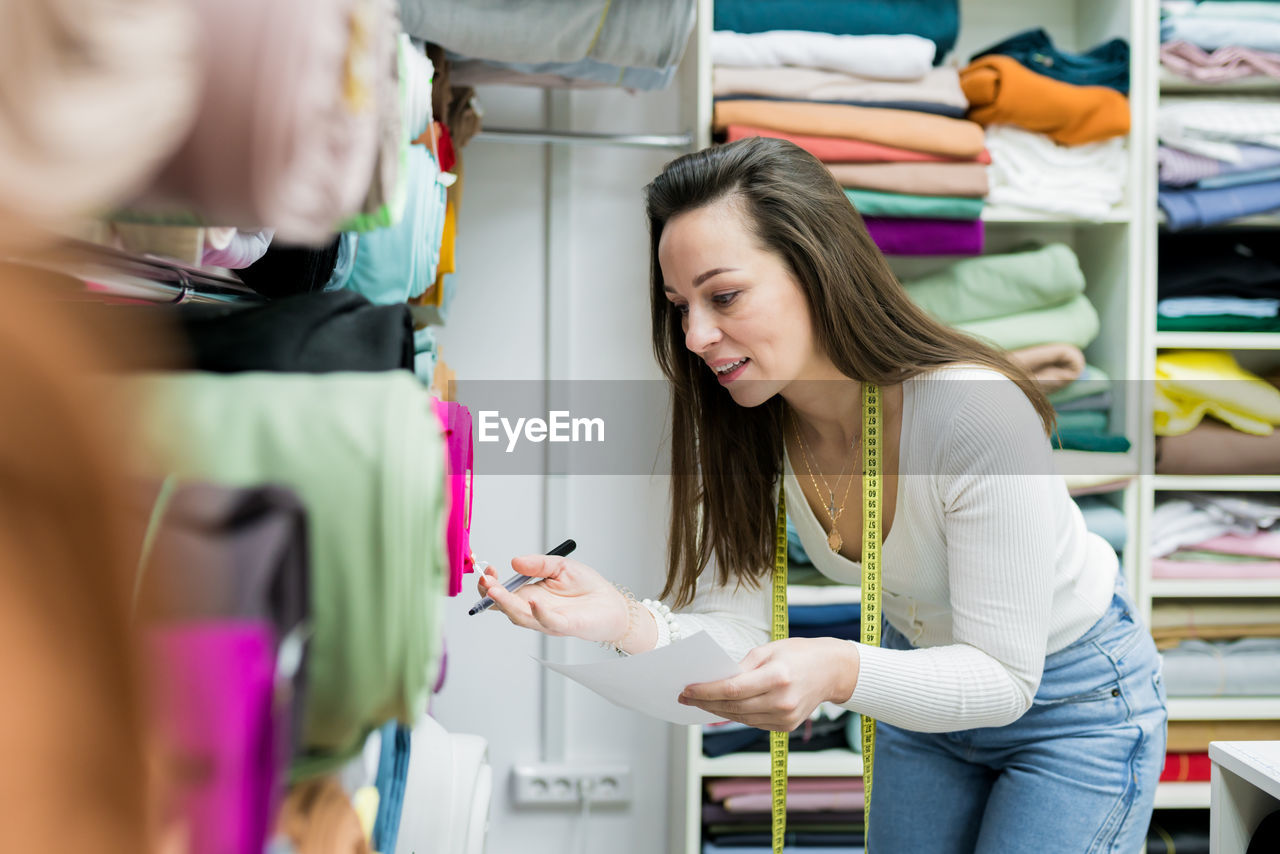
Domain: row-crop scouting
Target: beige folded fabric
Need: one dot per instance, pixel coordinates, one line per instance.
(1054, 366)
(1173, 614)
(96, 95)
(924, 179)
(1194, 736)
(938, 86)
(901, 128)
(1214, 448)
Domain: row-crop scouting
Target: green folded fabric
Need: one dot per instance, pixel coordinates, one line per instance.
(1090, 440)
(1000, 285)
(365, 455)
(1217, 323)
(1075, 322)
(906, 206)
(1093, 380)
(1088, 420)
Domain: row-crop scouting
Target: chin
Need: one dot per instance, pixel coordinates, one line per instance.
(752, 393)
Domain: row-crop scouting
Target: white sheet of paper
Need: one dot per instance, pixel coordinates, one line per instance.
(651, 681)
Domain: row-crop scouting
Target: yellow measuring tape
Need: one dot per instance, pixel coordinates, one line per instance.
(778, 741)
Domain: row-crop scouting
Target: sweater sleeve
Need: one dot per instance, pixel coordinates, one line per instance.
(997, 486)
(737, 617)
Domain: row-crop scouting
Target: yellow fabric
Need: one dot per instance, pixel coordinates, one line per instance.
(1191, 384)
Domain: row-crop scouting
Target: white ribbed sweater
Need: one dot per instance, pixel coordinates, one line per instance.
(988, 566)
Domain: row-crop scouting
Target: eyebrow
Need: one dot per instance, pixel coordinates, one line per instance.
(702, 277)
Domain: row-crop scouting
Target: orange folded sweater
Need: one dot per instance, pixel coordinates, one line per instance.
(1002, 90)
(901, 128)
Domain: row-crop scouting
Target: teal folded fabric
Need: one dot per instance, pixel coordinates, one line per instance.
(1089, 420)
(1090, 440)
(1000, 285)
(1093, 380)
(395, 263)
(1104, 519)
(1075, 322)
(364, 453)
(906, 206)
(1217, 323)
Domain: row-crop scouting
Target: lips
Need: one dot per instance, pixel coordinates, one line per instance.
(728, 370)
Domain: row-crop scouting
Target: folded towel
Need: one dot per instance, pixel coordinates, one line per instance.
(1030, 171)
(1193, 383)
(1055, 366)
(1075, 322)
(909, 206)
(936, 20)
(1000, 285)
(925, 179)
(1003, 91)
(926, 236)
(830, 149)
(895, 57)
(937, 86)
(918, 131)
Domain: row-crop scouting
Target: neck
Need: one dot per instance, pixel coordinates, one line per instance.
(827, 408)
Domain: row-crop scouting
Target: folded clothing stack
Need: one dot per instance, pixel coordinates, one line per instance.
(1219, 158)
(1193, 384)
(823, 814)
(1216, 536)
(1225, 281)
(828, 728)
(1031, 303)
(871, 106)
(635, 45)
(1056, 124)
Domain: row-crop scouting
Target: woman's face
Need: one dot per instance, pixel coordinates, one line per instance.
(743, 313)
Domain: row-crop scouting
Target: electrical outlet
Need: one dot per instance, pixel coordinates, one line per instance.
(566, 784)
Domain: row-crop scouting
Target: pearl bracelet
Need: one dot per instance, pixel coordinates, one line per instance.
(661, 610)
(655, 608)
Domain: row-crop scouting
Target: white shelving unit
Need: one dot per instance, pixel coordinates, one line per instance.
(1118, 256)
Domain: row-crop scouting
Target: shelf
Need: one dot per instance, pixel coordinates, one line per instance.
(1218, 340)
(1216, 483)
(1182, 796)
(837, 762)
(1217, 588)
(995, 214)
(1224, 708)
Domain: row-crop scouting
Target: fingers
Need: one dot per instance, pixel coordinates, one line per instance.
(539, 566)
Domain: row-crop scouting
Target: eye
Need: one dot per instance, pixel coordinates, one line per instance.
(681, 308)
(725, 298)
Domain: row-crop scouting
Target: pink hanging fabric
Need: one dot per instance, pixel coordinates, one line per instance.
(455, 421)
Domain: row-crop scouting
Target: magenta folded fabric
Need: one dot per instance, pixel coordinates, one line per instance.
(926, 236)
(731, 787)
(1165, 568)
(797, 801)
(215, 697)
(1263, 544)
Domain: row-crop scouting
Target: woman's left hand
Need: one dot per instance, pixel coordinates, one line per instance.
(782, 683)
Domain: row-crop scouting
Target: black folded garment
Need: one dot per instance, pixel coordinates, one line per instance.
(1221, 264)
(312, 333)
(799, 838)
(821, 734)
(287, 270)
(1179, 832)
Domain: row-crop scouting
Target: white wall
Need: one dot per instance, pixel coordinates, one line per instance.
(496, 331)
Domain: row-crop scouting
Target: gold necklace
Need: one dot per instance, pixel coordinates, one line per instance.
(834, 540)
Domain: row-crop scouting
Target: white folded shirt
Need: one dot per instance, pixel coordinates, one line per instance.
(898, 57)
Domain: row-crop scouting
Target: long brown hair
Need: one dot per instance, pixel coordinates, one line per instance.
(726, 458)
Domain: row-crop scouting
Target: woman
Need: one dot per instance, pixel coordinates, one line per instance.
(1018, 696)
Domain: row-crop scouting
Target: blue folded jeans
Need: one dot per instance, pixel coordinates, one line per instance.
(1077, 773)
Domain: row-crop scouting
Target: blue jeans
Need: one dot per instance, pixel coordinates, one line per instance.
(1077, 773)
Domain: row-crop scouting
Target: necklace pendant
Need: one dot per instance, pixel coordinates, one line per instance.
(835, 540)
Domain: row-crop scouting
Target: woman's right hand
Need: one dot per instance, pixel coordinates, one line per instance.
(573, 599)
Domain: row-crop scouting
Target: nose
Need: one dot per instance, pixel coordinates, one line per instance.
(701, 330)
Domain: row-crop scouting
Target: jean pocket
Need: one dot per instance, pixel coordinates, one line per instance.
(1093, 695)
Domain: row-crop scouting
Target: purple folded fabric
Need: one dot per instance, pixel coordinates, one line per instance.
(1226, 63)
(717, 814)
(926, 236)
(797, 801)
(732, 787)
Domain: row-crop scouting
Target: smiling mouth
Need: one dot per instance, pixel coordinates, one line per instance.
(731, 367)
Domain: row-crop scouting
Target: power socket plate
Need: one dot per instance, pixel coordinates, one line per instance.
(565, 784)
